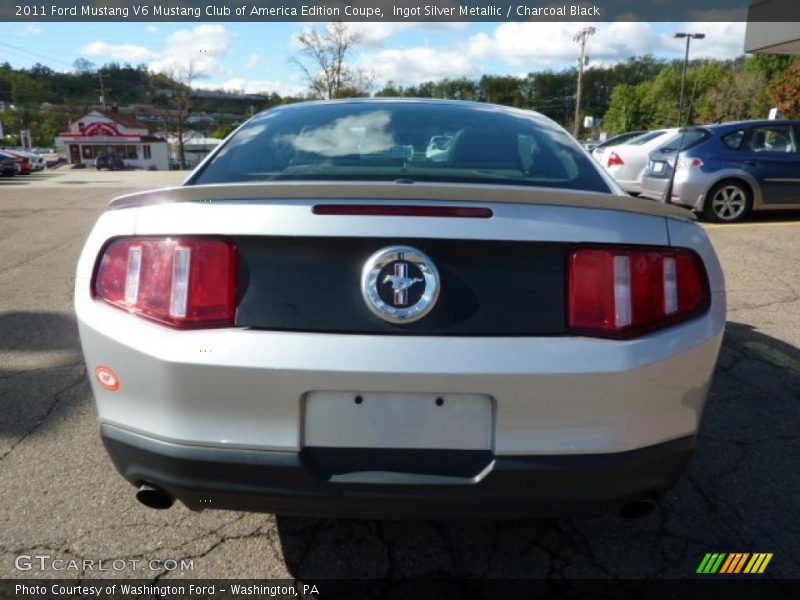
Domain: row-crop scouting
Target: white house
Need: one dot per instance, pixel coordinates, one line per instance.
(111, 132)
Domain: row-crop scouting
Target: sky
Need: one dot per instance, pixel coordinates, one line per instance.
(256, 57)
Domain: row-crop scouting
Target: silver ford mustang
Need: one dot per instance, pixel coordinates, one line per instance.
(326, 319)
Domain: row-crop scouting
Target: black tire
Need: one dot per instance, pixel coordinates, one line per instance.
(728, 201)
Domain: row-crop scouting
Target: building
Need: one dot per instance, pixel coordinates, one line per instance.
(195, 148)
(773, 26)
(111, 132)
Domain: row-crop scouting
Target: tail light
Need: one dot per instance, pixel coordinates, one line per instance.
(622, 292)
(689, 163)
(615, 160)
(181, 282)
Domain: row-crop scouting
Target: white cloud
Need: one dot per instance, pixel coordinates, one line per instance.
(200, 46)
(542, 45)
(722, 41)
(151, 29)
(32, 29)
(252, 60)
(413, 65)
(263, 86)
(126, 52)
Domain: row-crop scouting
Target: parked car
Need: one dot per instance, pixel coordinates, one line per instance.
(627, 162)
(23, 160)
(109, 161)
(318, 323)
(37, 161)
(600, 150)
(725, 171)
(8, 165)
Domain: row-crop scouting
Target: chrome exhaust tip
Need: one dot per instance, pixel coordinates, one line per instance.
(638, 508)
(154, 497)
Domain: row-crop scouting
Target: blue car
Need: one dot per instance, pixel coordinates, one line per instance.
(725, 171)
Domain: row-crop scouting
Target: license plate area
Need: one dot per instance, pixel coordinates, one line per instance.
(398, 420)
(657, 167)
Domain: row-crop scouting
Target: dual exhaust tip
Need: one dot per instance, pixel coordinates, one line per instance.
(638, 508)
(153, 496)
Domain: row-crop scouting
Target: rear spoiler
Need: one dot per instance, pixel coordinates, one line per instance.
(377, 191)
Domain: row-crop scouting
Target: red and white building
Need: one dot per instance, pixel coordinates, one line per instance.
(111, 132)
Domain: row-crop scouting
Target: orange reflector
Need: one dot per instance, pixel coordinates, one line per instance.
(107, 378)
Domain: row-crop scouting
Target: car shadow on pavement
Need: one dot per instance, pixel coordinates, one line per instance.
(739, 494)
(41, 370)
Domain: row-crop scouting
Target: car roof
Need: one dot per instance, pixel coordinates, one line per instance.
(391, 100)
(749, 123)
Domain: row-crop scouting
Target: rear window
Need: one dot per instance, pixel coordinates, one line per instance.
(685, 140)
(644, 138)
(385, 141)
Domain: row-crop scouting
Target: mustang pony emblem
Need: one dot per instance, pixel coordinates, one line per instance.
(402, 268)
(401, 282)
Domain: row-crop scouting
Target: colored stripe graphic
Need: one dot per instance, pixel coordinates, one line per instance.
(734, 563)
(729, 562)
(703, 563)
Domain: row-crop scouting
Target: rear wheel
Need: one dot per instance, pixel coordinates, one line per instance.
(728, 202)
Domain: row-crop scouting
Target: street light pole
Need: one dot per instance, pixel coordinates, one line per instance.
(581, 37)
(689, 37)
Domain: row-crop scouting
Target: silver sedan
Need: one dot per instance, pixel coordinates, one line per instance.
(325, 320)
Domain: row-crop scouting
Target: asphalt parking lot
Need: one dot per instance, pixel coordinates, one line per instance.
(60, 496)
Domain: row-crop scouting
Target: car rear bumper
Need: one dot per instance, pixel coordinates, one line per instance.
(414, 484)
(687, 189)
(548, 395)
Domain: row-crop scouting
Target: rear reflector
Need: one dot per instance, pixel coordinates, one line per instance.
(386, 210)
(622, 291)
(182, 282)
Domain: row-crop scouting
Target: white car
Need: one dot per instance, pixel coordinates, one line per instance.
(627, 162)
(37, 161)
(318, 324)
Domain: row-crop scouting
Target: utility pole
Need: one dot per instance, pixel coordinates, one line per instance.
(102, 90)
(581, 37)
(689, 37)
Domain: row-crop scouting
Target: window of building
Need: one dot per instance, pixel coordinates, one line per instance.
(131, 154)
(146, 150)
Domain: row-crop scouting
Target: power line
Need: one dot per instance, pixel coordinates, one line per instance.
(34, 54)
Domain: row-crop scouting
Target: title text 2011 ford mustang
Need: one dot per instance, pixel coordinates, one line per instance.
(327, 319)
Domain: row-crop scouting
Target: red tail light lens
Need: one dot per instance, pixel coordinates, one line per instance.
(622, 292)
(182, 282)
(615, 160)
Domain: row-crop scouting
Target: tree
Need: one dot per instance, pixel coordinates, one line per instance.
(81, 65)
(733, 97)
(326, 50)
(785, 91)
(502, 89)
(179, 81)
(626, 111)
(222, 131)
(769, 65)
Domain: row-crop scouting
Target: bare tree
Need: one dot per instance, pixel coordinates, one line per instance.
(324, 53)
(179, 82)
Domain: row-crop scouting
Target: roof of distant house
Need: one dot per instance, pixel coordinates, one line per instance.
(123, 119)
